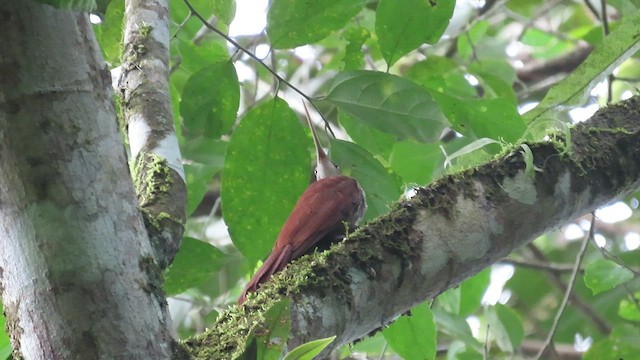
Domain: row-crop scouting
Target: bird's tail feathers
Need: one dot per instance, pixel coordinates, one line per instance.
(274, 263)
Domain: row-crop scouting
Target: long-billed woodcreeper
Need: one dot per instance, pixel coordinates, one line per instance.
(329, 207)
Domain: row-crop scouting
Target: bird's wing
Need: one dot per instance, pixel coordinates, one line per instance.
(322, 209)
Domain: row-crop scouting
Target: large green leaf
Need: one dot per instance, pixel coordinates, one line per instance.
(381, 186)
(309, 350)
(506, 327)
(389, 103)
(198, 177)
(194, 57)
(210, 100)
(602, 275)
(417, 163)
(457, 328)
(267, 340)
(225, 11)
(483, 118)
(376, 142)
(623, 343)
(629, 309)
(404, 25)
(196, 262)
(109, 32)
(413, 336)
(272, 338)
(353, 55)
(265, 171)
(472, 290)
(621, 44)
(292, 23)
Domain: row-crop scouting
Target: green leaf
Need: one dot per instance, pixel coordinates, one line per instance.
(441, 75)
(381, 186)
(353, 55)
(416, 163)
(292, 23)
(309, 350)
(79, 5)
(272, 338)
(389, 103)
(205, 151)
(621, 44)
(196, 262)
(413, 336)
(457, 328)
(623, 343)
(267, 340)
(210, 100)
(265, 171)
(483, 118)
(496, 77)
(194, 57)
(459, 351)
(629, 309)
(376, 142)
(449, 300)
(225, 11)
(602, 275)
(404, 25)
(5, 344)
(467, 45)
(505, 326)
(198, 177)
(472, 290)
(109, 32)
(469, 148)
(206, 158)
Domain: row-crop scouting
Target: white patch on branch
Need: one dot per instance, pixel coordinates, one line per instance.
(169, 149)
(138, 134)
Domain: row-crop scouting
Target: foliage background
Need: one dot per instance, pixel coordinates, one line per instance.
(412, 91)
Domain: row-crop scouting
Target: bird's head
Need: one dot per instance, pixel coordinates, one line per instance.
(324, 166)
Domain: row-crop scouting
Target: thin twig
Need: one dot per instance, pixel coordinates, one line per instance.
(254, 57)
(384, 349)
(610, 256)
(605, 27)
(583, 249)
(550, 267)
(485, 348)
(251, 55)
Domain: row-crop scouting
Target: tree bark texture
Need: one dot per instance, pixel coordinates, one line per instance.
(447, 232)
(157, 164)
(77, 273)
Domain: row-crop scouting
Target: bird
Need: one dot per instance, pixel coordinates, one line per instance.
(331, 205)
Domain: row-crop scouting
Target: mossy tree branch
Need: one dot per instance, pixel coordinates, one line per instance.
(144, 86)
(447, 232)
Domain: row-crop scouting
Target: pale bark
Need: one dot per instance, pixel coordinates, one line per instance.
(157, 164)
(77, 273)
(446, 233)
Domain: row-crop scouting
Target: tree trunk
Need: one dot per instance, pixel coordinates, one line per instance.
(77, 273)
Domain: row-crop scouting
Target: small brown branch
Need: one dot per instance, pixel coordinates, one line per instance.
(548, 343)
(535, 71)
(563, 351)
(550, 267)
(586, 309)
